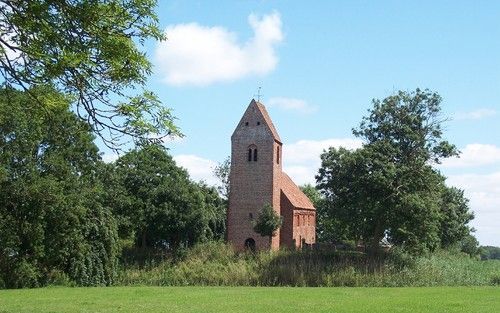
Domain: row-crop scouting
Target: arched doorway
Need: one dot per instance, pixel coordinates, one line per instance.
(250, 244)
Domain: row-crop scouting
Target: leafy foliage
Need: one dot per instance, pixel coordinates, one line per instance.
(455, 216)
(490, 253)
(156, 202)
(87, 50)
(222, 171)
(50, 215)
(388, 187)
(328, 228)
(268, 222)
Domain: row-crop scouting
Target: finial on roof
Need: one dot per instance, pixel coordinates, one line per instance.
(258, 95)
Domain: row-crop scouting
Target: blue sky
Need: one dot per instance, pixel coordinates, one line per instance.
(319, 65)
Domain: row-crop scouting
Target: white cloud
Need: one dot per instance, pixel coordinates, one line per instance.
(474, 155)
(483, 191)
(109, 157)
(201, 55)
(291, 104)
(197, 167)
(301, 160)
(475, 115)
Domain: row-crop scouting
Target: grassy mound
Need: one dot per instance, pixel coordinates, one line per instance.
(216, 264)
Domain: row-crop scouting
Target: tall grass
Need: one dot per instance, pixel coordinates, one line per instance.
(216, 264)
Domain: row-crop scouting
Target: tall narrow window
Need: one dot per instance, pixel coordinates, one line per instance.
(278, 155)
(255, 155)
(249, 155)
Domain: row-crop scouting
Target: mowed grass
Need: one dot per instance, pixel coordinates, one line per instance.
(251, 299)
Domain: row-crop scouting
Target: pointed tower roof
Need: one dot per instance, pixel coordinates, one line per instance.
(256, 107)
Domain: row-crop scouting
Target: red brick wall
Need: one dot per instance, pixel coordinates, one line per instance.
(304, 226)
(253, 184)
(287, 228)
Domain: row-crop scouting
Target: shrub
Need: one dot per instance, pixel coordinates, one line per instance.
(495, 280)
(59, 278)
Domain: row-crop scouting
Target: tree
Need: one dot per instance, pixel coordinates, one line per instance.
(268, 222)
(328, 228)
(88, 51)
(455, 216)
(158, 205)
(410, 123)
(469, 244)
(388, 187)
(51, 219)
(215, 208)
(222, 171)
(490, 253)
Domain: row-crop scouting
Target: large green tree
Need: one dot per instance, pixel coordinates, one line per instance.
(388, 188)
(157, 203)
(51, 219)
(328, 227)
(88, 50)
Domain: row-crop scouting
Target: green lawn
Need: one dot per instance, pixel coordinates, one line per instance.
(251, 299)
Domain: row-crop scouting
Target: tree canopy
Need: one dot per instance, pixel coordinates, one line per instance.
(63, 211)
(157, 203)
(388, 188)
(268, 222)
(89, 51)
(222, 172)
(51, 219)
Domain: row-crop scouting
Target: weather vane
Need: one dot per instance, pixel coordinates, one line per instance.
(258, 94)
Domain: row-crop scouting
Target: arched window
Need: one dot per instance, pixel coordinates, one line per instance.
(252, 153)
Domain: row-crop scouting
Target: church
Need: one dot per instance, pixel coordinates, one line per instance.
(257, 179)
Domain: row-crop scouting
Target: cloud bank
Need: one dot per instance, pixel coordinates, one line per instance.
(198, 167)
(202, 55)
(301, 160)
(474, 155)
(292, 104)
(475, 115)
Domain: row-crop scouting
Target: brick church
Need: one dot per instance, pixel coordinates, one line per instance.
(257, 179)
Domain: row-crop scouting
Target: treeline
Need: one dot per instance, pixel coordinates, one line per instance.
(490, 253)
(389, 189)
(65, 214)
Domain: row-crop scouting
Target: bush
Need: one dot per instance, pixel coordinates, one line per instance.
(495, 280)
(24, 274)
(59, 278)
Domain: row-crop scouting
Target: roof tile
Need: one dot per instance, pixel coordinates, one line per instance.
(294, 194)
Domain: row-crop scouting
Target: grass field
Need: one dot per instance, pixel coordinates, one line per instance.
(251, 299)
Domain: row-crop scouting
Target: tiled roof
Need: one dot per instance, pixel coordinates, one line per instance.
(294, 194)
(267, 119)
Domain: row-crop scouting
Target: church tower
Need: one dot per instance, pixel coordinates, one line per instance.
(255, 174)
(257, 179)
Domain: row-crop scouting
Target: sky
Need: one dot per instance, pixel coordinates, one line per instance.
(319, 64)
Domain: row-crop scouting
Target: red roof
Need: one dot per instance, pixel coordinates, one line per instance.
(294, 194)
(267, 119)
